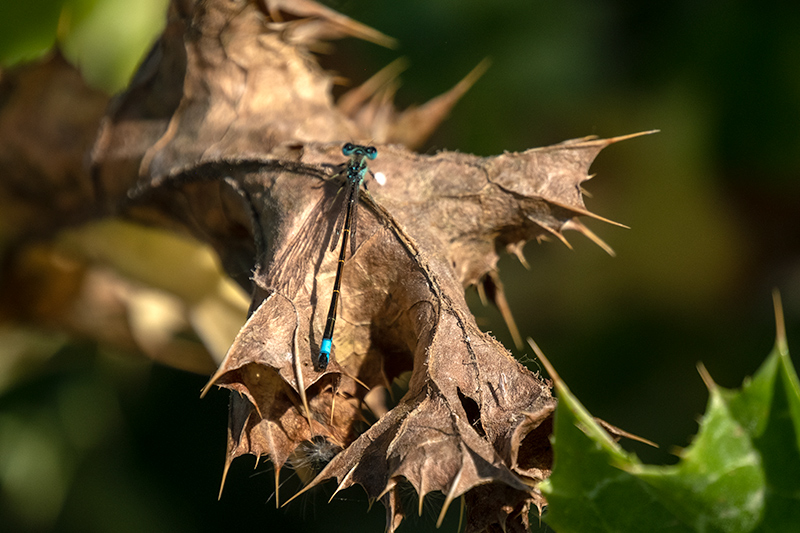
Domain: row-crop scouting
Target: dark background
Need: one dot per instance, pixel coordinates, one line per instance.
(711, 201)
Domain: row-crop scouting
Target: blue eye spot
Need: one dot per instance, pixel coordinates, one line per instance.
(372, 153)
(348, 149)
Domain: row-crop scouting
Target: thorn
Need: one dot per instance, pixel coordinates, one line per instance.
(500, 301)
(780, 325)
(517, 250)
(450, 497)
(707, 379)
(211, 381)
(314, 484)
(591, 426)
(547, 366)
(337, 21)
(577, 225)
(370, 503)
(482, 294)
(504, 519)
(335, 388)
(593, 139)
(461, 512)
(415, 125)
(618, 432)
(613, 140)
(585, 212)
(225, 469)
(351, 101)
(255, 405)
(389, 486)
(557, 234)
(277, 486)
(341, 486)
(301, 388)
(366, 387)
(301, 491)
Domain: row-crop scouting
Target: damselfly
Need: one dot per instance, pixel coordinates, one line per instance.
(354, 174)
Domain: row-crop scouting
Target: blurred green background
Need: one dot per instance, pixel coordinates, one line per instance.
(96, 441)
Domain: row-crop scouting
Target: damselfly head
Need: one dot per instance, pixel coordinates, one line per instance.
(368, 151)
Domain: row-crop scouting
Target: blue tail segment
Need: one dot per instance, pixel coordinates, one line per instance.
(324, 354)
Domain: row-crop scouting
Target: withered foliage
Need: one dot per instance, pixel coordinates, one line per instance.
(229, 130)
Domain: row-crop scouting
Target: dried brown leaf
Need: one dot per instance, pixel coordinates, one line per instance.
(48, 120)
(245, 153)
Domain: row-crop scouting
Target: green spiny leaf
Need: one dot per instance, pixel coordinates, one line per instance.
(592, 487)
(719, 483)
(741, 473)
(774, 393)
